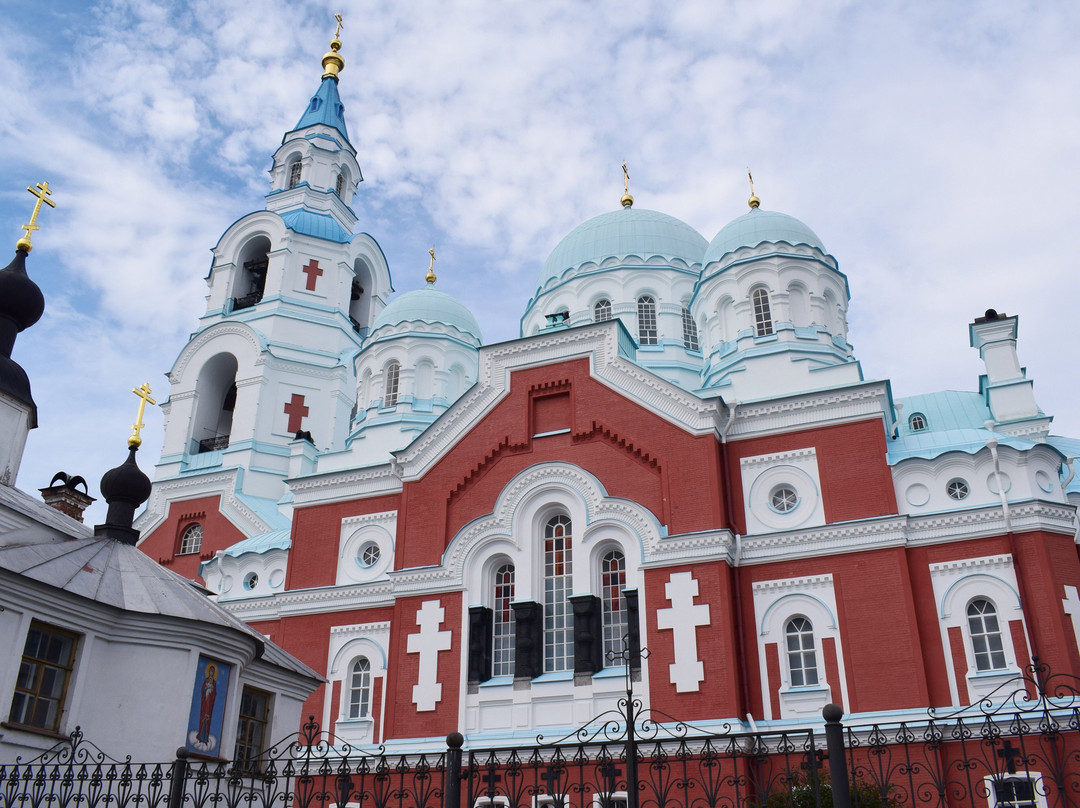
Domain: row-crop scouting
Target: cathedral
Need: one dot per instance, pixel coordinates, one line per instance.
(678, 478)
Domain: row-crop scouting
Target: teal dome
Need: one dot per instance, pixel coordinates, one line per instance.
(620, 233)
(760, 227)
(428, 305)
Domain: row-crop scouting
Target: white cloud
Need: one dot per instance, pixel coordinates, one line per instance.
(933, 150)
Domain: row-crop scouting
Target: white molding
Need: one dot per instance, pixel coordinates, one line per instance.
(864, 401)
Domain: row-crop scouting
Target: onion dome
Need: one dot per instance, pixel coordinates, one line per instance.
(428, 305)
(21, 305)
(620, 234)
(125, 488)
(760, 227)
(21, 301)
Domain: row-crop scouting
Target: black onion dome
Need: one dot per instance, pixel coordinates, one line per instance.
(21, 300)
(126, 482)
(125, 488)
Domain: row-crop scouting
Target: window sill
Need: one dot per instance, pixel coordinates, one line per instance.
(555, 676)
(498, 681)
(31, 730)
(610, 673)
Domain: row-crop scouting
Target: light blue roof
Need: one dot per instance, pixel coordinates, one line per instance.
(1070, 447)
(945, 410)
(760, 227)
(929, 445)
(264, 542)
(325, 107)
(621, 233)
(429, 305)
(319, 225)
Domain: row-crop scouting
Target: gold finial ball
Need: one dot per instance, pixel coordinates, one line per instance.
(332, 61)
(627, 200)
(430, 277)
(24, 245)
(134, 442)
(753, 202)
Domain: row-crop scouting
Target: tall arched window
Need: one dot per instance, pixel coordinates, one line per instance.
(646, 320)
(502, 646)
(985, 636)
(558, 584)
(689, 330)
(763, 325)
(601, 312)
(339, 185)
(802, 659)
(294, 173)
(390, 389)
(191, 540)
(612, 602)
(360, 688)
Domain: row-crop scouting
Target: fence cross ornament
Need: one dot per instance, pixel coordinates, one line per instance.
(1009, 754)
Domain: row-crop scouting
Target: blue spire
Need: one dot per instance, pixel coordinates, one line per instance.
(325, 107)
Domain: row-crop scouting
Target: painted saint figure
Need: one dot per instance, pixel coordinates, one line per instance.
(206, 704)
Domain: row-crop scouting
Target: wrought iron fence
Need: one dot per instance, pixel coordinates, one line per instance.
(1018, 748)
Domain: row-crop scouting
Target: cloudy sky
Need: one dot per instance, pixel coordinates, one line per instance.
(934, 146)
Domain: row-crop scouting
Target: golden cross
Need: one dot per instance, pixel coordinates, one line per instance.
(337, 31)
(430, 277)
(42, 194)
(143, 393)
(753, 201)
(626, 178)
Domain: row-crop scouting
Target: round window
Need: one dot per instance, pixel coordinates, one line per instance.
(783, 499)
(957, 489)
(368, 555)
(251, 580)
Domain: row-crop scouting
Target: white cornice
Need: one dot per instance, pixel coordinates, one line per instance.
(906, 531)
(867, 400)
(800, 584)
(985, 563)
(311, 601)
(338, 486)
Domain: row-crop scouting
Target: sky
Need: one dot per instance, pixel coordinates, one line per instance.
(933, 146)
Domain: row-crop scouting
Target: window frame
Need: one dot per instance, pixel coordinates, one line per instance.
(762, 309)
(243, 723)
(294, 175)
(391, 385)
(917, 422)
(558, 584)
(690, 337)
(363, 689)
(503, 624)
(987, 635)
(68, 670)
(804, 659)
(614, 618)
(602, 310)
(191, 550)
(648, 328)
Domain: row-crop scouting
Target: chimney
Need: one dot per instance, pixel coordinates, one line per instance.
(63, 495)
(1008, 392)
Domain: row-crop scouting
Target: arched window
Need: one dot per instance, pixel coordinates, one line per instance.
(601, 312)
(294, 173)
(689, 331)
(558, 584)
(390, 389)
(191, 540)
(502, 646)
(215, 402)
(339, 186)
(360, 688)
(763, 325)
(802, 659)
(612, 602)
(646, 320)
(985, 636)
(917, 422)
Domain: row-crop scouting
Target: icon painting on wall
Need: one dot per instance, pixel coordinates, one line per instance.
(208, 707)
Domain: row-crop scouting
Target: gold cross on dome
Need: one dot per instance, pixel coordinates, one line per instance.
(337, 30)
(625, 178)
(143, 392)
(42, 192)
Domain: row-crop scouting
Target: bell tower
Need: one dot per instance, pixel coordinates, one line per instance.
(269, 373)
